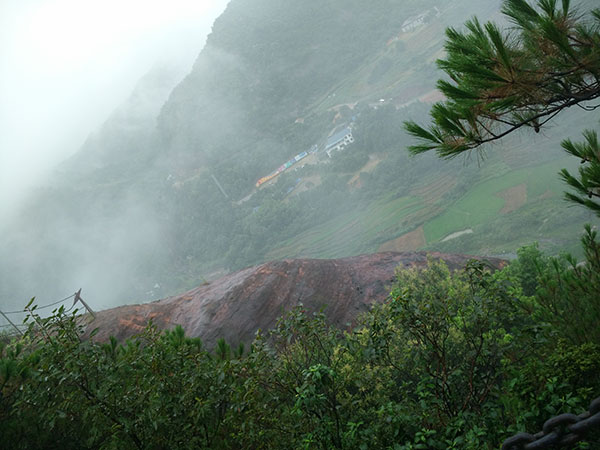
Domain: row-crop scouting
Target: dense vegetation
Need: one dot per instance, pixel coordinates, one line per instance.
(452, 360)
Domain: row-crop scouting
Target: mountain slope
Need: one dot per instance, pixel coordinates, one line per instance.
(165, 195)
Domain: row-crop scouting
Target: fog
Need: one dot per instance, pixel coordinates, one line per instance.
(67, 72)
(87, 81)
(120, 133)
(65, 65)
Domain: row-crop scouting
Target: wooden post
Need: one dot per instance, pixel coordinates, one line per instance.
(78, 298)
(10, 321)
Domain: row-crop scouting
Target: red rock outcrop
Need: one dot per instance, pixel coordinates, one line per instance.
(236, 305)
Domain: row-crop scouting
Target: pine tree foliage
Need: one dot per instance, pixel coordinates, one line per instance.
(502, 81)
(587, 185)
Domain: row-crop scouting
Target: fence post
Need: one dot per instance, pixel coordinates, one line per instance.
(78, 298)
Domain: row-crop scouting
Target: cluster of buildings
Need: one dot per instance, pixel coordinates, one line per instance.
(335, 143)
(342, 138)
(282, 168)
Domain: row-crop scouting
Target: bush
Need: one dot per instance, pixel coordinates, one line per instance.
(452, 360)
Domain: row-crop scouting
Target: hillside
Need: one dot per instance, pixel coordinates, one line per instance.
(235, 306)
(163, 197)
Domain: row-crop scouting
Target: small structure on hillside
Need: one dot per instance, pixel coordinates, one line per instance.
(414, 22)
(339, 141)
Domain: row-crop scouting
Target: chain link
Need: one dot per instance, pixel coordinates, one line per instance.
(560, 431)
(41, 307)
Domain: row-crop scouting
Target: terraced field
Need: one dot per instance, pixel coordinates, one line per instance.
(355, 232)
(433, 192)
(513, 208)
(512, 199)
(484, 201)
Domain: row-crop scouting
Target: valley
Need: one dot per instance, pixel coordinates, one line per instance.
(182, 187)
(350, 225)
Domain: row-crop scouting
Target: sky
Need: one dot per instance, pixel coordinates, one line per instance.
(65, 65)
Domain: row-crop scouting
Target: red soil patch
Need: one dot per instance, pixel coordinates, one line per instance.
(513, 197)
(405, 243)
(368, 167)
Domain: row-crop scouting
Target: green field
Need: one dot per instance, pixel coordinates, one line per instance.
(482, 203)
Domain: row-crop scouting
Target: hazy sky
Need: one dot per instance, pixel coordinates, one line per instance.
(66, 64)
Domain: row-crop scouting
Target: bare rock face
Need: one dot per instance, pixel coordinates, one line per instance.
(235, 306)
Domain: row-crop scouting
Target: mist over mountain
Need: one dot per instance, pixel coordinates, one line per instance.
(129, 133)
(164, 196)
(344, 226)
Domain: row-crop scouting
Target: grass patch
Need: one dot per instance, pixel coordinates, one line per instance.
(355, 232)
(482, 204)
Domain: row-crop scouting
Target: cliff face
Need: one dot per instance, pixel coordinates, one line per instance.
(264, 63)
(237, 305)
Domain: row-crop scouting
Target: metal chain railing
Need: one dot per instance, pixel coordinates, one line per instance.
(76, 296)
(42, 307)
(560, 431)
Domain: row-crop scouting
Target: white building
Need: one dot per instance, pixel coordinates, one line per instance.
(339, 141)
(414, 22)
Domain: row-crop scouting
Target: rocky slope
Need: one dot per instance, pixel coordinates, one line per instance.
(236, 305)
